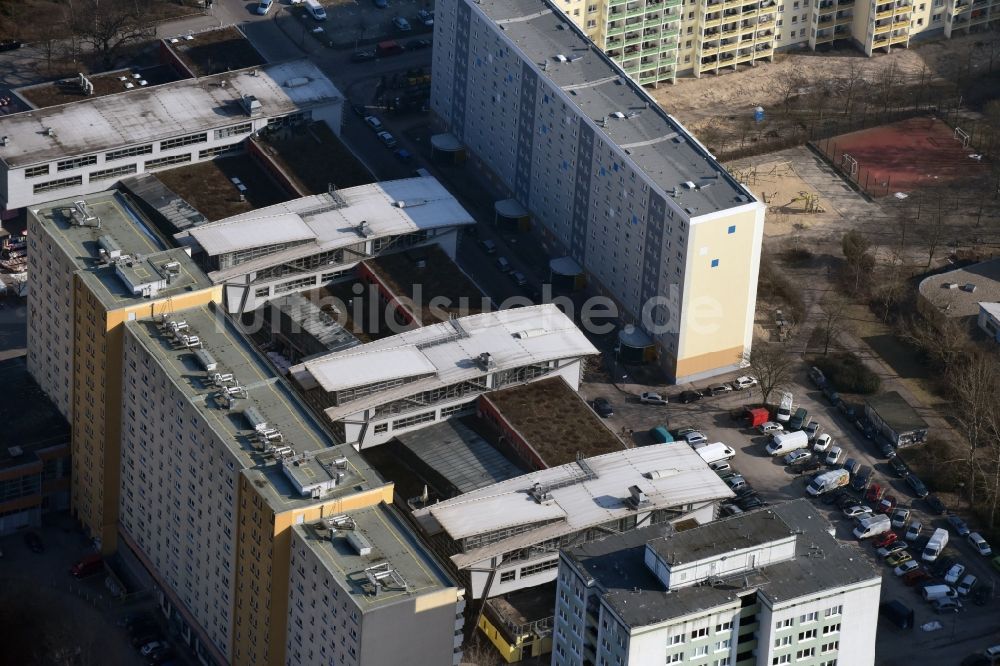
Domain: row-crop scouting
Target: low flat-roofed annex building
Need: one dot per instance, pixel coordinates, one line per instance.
(86, 146)
(422, 376)
(95, 264)
(219, 459)
(765, 588)
(305, 243)
(896, 419)
(611, 180)
(365, 570)
(507, 536)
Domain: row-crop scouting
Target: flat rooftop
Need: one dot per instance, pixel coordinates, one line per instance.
(302, 320)
(162, 203)
(821, 562)
(581, 496)
(65, 91)
(427, 280)
(442, 354)
(720, 537)
(214, 51)
(555, 421)
(392, 544)
(516, 609)
(461, 460)
(272, 399)
(897, 412)
(651, 138)
(327, 222)
(947, 292)
(118, 221)
(161, 112)
(31, 422)
(275, 486)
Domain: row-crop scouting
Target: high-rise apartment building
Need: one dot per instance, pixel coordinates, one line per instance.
(657, 41)
(766, 588)
(363, 571)
(610, 179)
(95, 265)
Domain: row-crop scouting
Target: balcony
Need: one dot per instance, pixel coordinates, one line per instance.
(615, 30)
(844, 20)
(961, 8)
(823, 39)
(901, 24)
(631, 41)
(709, 51)
(879, 42)
(640, 11)
(899, 39)
(711, 23)
(883, 15)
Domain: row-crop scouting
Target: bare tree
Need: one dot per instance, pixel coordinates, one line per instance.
(107, 26)
(772, 364)
(853, 82)
(834, 312)
(857, 251)
(940, 338)
(973, 385)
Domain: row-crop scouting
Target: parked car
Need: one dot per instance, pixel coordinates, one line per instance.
(519, 278)
(845, 501)
(918, 487)
(264, 6)
(417, 44)
(833, 455)
(898, 467)
(942, 606)
(809, 465)
(151, 647)
(900, 517)
(857, 511)
(651, 398)
(822, 443)
(954, 574)
(748, 502)
(426, 18)
(941, 565)
(797, 456)
(34, 542)
(681, 432)
(885, 448)
(896, 559)
(894, 547)
(9, 45)
(374, 123)
(913, 531)
(908, 568)
(696, 437)
(886, 505)
(967, 583)
(720, 466)
(362, 56)
(885, 539)
(915, 574)
(719, 389)
(958, 525)
(381, 4)
(401, 24)
(744, 382)
(811, 429)
(771, 427)
(603, 407)
(489, 247)
(817, 377)
(935, 504)
(388, 140)
(736, 482)
(979, 543)
(687, 397)
(852, 466)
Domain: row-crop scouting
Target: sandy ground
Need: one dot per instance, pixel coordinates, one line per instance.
(694, 101)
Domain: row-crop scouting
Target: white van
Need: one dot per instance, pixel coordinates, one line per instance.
(786, 442)
(712, 453)
(785, 407)
(872, 526)
(932, 592)
(315, 10)
(937, 542)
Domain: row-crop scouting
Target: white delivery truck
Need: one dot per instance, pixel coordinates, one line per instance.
(785, 407)
(872, 526)
(827, 481)
(716, 452)
(786, 442)
(935, 545)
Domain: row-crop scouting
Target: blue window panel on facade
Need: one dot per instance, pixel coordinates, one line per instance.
(732, 229)
(715, 263)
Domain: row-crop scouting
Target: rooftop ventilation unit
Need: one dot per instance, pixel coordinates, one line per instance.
(251, 105)
(254, 418)
(206, 360)
(220, 379)
(4, 140)
(189, 341)
(561, 58)
(530, 333)
(236, 391)
(361, 545)
(48, 131)
(109, 248)
(619, 115)
(637, 498)
(281, 451)
(342, 522)
(969, 287)
(365, 229)
(541, 494)
(81, 216)
(382, 575)
(15, 451)
(485, 361)
(270, 435)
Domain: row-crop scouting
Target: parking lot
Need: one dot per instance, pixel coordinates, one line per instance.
(958, 636)
(355, 24)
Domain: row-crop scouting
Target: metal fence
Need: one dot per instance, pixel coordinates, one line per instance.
(864, 178)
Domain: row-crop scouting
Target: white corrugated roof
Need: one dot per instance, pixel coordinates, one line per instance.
(683, 478)
(513, 338)
(230, 237)
(388, 209)
(159, 112)
(358, 370)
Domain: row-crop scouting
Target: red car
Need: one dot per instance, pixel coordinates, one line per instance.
(875, 493)
(916, 576)
(885, 540)
(886, 504)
